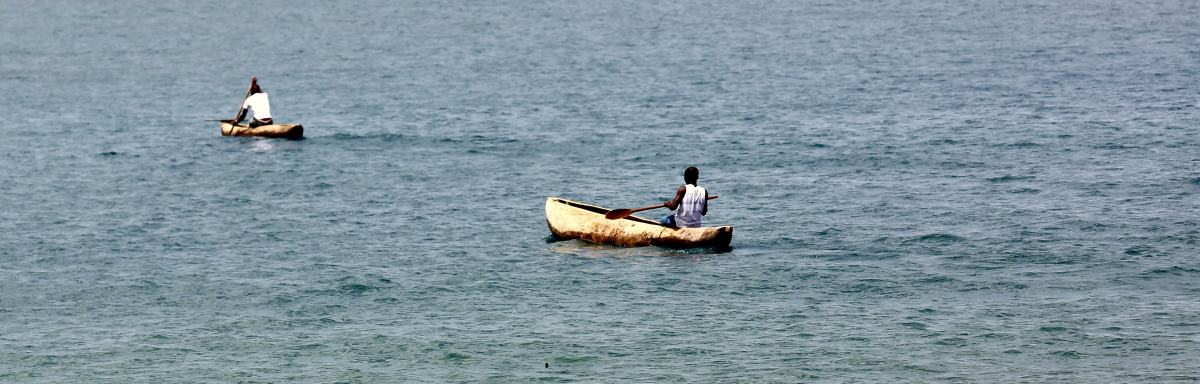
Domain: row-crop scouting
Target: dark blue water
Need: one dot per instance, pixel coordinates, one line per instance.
(996, 191)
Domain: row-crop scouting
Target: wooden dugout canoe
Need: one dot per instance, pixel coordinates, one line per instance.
(286, 131)
(571, 220)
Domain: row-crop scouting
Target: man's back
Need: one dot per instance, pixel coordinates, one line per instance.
(692, 208)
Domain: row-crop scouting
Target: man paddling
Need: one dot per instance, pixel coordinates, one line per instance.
(258, 102)
(689, 204)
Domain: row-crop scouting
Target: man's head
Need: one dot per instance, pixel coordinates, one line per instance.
(254, 88)
(690, 175)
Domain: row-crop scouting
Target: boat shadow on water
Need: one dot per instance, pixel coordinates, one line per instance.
(586, 248)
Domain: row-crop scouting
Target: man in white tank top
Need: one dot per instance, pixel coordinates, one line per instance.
(689, 204)
(257, 102)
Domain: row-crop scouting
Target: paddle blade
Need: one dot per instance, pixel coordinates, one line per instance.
(618, 214)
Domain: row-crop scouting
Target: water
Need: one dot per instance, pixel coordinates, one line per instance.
(998, 191)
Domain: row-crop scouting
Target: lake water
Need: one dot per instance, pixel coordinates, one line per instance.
(983, 191)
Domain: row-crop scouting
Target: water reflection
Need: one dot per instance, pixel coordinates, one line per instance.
(589, 249)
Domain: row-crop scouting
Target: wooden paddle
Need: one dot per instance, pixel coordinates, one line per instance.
(624, 212)
(253, 80)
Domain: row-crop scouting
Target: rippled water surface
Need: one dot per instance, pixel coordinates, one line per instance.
(997, 191)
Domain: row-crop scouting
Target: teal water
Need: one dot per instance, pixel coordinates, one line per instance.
(999, 191)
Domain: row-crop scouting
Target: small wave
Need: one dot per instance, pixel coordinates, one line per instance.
(453, 356)
(345, 136)
(381, 137)
(1025, 190)
(828, 231)
(1024, 144)
(937, 280)
(964, 165)
(573, 360)
(943, 142)
(356, 288)
(1069, 354)
(936, 237)
(1174, 271)
(697, 251)
(1138, 250)
(953, 342)
(1008, 178)
(280, 300)
(1011, 286)
(914, 325)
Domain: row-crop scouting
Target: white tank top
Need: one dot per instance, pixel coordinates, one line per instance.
(259, 104)
(688, 214)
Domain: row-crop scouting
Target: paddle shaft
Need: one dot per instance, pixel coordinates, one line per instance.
(253, 80)
(623, 213)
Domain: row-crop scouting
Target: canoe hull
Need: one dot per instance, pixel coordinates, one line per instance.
(285, 131)
(571, 220)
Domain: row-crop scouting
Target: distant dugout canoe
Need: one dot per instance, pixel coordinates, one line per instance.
(572, 220)
(285, 131)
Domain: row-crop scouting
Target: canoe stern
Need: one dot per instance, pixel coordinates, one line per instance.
(569, 220)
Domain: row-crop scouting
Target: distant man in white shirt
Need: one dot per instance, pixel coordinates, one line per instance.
(259, 104)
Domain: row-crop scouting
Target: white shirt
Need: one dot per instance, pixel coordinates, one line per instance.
(689, 211)
(258, 102)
